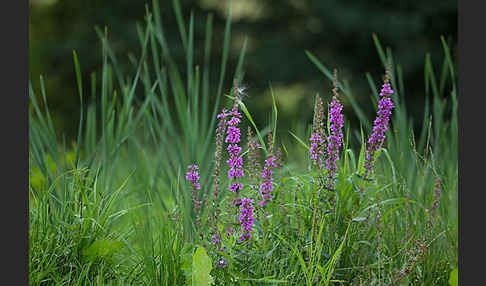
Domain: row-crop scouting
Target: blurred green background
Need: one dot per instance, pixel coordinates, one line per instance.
(338, 33)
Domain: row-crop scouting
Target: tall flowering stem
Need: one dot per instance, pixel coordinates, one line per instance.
(380, 125)
(214, 214)
(317, 137)
(246, 218)
(266, 186)
(220, 130)
(335, 138)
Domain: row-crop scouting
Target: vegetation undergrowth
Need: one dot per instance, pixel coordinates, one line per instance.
(164, 186)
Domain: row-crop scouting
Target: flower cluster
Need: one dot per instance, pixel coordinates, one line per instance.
(217, 241)
(246, 218)
(315, 151)
(335, 138)
(266, 187)
(193, 176)
(235, 162)
(380, 126)
(221, 263)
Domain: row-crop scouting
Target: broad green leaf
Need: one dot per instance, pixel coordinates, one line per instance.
(201, 267)
(453, 277)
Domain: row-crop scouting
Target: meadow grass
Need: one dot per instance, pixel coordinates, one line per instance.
(113, 207)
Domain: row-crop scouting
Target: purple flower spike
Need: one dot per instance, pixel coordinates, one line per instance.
(193, 176)
(380, 126)
(335, 138)
(266, 187)
(234, 162)
(246, 218)
(315, 150)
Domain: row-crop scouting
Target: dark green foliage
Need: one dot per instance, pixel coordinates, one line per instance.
(337, 31)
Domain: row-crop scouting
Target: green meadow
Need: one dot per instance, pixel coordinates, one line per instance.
(113, 205)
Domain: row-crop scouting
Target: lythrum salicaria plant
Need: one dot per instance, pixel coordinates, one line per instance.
(380, 125)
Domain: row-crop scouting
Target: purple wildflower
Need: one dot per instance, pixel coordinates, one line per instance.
(380, 125)
(266, 187)
(216, 240)
(246, 218)
(221, 263)
(235, 162)
(193, 176)
(315, 150)
(335, 138)
(229, 232)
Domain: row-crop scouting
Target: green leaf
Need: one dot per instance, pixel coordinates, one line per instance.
(248, 115)
(361, 159)
(80, 91)
(201, 267)
(299, 140)
(379, 49)
(453, 277)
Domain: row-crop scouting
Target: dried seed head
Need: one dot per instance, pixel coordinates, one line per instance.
(269, 143)
(253, 157)
(318, 142)
(387, 72)
(278, 156)
(335, 89)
